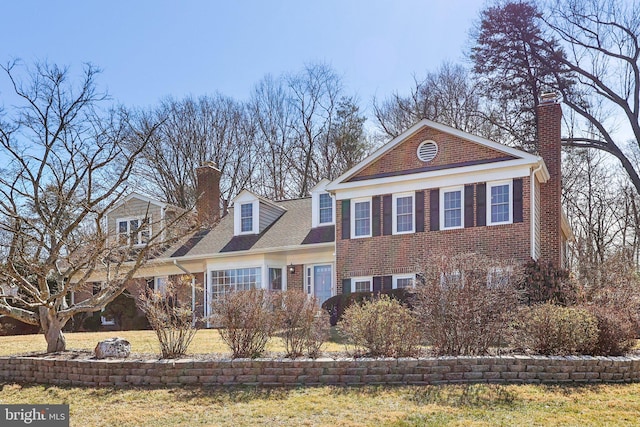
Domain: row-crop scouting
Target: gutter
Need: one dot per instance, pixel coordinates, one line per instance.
(532, 213)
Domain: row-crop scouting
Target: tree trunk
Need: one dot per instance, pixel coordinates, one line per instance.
(52, 327)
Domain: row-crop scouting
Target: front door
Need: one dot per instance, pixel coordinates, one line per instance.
(322, 275)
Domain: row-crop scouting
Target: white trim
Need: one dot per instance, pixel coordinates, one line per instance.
(490, 185)
(522, 156)
(427, 180)
(237, 217)
(441, 206)
(403, 276)
(353, 217)
(283, 276)
(128, 220)
(315, 209)
(394, 211)
(138, 196)
(362, 279)
(309, 284)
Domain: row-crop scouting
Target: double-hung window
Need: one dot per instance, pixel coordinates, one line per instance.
(134, 231)
(403, 208)
(325, 208)
(403, 281)
(499, 203)
(362, 284)
(246, 217)
(361, 218)
(451, 213)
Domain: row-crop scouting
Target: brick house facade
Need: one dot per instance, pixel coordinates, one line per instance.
(432, 190)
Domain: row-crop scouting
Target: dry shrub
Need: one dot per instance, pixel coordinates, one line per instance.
(304, 325)
(552, 329)
(247, 320)
(543, 282)
(616, 332)
(383, 327)
(465, 303)
(172, 319)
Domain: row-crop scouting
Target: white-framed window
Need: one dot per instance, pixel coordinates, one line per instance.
(451, 208)
(246, 217)
(361, 218)
(499, 196)
(160, 284)
(325, 207)
(403, 217)
(362, 284)
(238, 279)
(404, 281)
(133, 230)
(451, 279)
(275, 279)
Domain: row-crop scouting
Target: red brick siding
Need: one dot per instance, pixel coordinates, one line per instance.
(408, 253)
(295, 280)
(451, 149)
(549, 127)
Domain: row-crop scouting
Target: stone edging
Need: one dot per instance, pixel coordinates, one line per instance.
(310, 372)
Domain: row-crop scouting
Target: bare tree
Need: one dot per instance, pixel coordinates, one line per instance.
(192, 132)
(449, 96)
(66, 162)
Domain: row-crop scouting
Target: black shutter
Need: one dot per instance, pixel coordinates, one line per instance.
(375, 216)
(387, 283)
(468, 206)
(434, 209)
(387, 215)
(419, 201)
(481, 204)
(346, 219)
(346, 286)
(377, 283)
(517, 200)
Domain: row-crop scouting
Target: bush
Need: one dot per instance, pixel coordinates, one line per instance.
(616, 331)
(337, 304)
(173, 323)
(246, 319)
(546, 283)
(465, 303)
(304, 325)
(11, 326)
(552, 329)
(382, 326)
(122, 311)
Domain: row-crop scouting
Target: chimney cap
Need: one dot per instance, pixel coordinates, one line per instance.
(549, 97)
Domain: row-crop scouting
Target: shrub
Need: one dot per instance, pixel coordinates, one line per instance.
(303, 324)
(465, 303)
(11, 326)
(547, 283)
(382, 326)
(246, 319)
(173, 322)
(552, 329)
(337, 304)
(616, 331)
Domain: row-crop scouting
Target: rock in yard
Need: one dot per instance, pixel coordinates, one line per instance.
(113, 347)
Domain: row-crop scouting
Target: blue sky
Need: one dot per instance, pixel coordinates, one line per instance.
(151, 49)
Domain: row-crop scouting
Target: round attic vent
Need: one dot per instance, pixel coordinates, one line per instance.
(427, 150)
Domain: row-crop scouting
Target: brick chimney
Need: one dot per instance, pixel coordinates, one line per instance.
(208, 191)
(549, 125)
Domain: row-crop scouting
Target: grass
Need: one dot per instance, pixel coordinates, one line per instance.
(453, 405)
(205, 341)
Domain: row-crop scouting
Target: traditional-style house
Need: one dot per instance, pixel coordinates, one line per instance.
(431, 190)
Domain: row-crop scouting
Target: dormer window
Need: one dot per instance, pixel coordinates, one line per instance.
(133, 231)
(325, 209)
(246, 217)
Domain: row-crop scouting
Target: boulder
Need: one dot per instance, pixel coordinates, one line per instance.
(113, 347)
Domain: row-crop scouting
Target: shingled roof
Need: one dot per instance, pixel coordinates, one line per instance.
(292, 228)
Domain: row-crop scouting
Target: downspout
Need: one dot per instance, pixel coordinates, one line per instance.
(532, 210)
(193, 290)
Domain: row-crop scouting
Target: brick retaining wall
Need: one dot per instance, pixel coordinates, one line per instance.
(269, 372)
